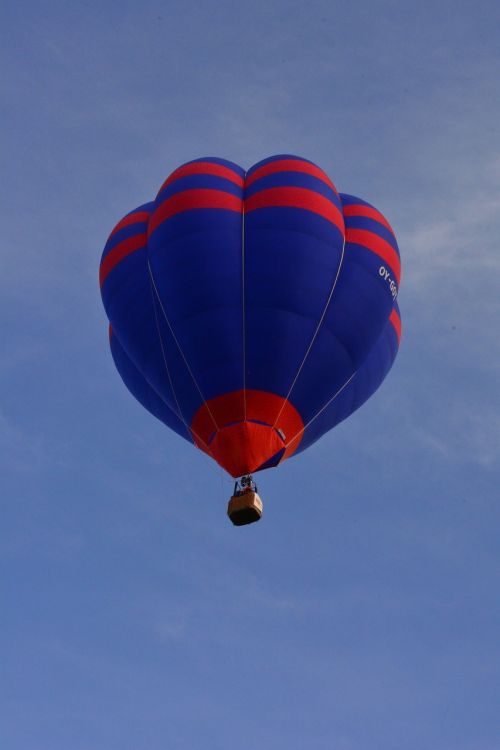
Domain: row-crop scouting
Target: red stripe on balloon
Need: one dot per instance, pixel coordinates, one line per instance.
(290, 165)
(118, 253)
(138, 217)
(203, 167)
(189, 200)
(396, 322)
(377, 245)
(293, 197)
(368, 212)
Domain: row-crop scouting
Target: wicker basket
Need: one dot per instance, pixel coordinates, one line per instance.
(245, 508)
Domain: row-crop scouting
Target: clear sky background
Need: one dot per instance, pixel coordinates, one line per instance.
(363, 612)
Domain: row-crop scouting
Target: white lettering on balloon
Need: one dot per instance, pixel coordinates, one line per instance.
(386, 275)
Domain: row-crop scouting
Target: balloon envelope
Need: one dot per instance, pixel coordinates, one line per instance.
(252, 311)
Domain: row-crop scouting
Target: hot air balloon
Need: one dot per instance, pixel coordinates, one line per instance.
(251, 312)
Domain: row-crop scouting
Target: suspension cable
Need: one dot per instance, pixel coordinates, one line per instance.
(316, 332)
(325, 406)
(179, 347)
(243, 302)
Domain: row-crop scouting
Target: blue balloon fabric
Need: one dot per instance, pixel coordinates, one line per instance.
(251, 312)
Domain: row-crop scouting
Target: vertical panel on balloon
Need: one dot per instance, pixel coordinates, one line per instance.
(195, 257)
(126, 293)
(292, 252)
(358, 310)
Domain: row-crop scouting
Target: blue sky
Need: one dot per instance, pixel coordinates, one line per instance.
(132, 614)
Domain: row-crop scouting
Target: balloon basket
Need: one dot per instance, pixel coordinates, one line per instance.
(245, 508)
